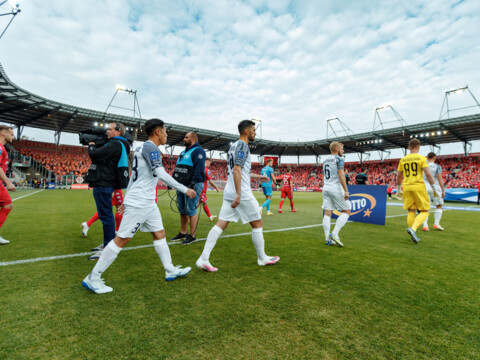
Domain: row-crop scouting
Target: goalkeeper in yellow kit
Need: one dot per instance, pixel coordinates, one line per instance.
(415, 197)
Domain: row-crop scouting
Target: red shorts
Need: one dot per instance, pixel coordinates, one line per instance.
(117, 198)
(286, 193)
(5, 198)
(203, 197)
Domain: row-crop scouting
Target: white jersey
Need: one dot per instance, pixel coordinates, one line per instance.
(331, 165)
(435, 169)
(238, 154)
(147, 168)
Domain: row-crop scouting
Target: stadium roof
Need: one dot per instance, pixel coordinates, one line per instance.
(21, 108)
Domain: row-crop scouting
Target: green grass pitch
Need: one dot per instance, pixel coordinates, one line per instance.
(379, 297)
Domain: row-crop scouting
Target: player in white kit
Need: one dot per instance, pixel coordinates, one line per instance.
(238, 200)
(335, 193)
(439, 188)
(141, 211)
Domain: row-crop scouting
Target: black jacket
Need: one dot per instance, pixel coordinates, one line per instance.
(103, 171)
(190, 167)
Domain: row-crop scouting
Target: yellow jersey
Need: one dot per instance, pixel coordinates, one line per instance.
(412, 167)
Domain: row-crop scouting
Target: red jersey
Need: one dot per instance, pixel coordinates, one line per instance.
(208, 176)
(286, 181)
(3, 158)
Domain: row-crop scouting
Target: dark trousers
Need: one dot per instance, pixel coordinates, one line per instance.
(103, 200)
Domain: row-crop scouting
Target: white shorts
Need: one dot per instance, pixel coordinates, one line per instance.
(335, 200)
(143, 219)
(247, 211)
(436, 200)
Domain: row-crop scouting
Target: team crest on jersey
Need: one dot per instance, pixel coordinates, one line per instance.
(154, 155)
(200, 156)
(240, 155)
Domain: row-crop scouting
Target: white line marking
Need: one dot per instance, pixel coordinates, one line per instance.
(21, 197)
(26, 261)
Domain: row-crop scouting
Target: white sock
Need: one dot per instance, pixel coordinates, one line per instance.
(212, 238)
(425, 223)
(163, 252)
(342, 220)
(109, 254)
(438, 216)
(326, 226)
(259, 243)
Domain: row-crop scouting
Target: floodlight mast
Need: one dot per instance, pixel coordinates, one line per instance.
(136, 106)
(14, 11)
(258, 124)
(135, 109)
(456, 91)
(378, 122)
(344, 129)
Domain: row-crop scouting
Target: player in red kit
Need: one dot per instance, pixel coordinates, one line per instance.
(117, 200)
(203, 196)
(287, 190)
(6, 205)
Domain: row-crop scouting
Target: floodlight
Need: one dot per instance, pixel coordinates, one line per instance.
(439, 133)
(444, 132)
(458, 90)
(15, 6)
(95, 123)
(121, 87)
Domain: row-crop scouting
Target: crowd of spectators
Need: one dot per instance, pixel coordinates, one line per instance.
(458, 171)
(60, 159)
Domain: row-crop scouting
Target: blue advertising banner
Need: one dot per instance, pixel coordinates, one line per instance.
(51, 185)
(368, 204)
(459, 194)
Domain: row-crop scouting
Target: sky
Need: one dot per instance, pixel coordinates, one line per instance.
(292, 64)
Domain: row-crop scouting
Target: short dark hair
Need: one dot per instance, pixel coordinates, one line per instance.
(364, 169)
(152, 124)
(244, 124)
(194, 135)
(431, 155)
(414, 143)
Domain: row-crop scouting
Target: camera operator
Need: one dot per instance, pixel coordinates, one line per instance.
(189, 171)
(109, 171)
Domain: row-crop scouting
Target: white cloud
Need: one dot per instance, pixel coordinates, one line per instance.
(212, 63)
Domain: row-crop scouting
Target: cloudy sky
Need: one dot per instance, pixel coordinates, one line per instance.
(293, 64)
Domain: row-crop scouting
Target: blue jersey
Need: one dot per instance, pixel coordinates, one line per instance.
(267, 171)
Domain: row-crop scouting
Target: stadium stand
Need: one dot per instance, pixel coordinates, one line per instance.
(458, 171)
(60, 159)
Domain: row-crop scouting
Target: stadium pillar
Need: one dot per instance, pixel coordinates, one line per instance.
(298, 160)
(279, 160)
(57, 137)
(19, 132)
(467, 147)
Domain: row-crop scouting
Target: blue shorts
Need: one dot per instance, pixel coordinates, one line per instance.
(267, 191)
(187, 206)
